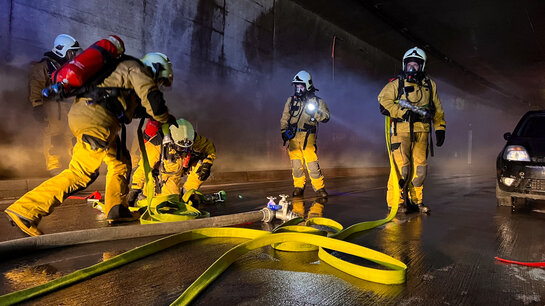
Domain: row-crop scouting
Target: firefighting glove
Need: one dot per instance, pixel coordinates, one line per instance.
(132, 196)
(39, 113)
(172, 121)
(439, 137)
(204, 171)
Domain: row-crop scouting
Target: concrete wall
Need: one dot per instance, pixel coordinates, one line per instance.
(233, 62)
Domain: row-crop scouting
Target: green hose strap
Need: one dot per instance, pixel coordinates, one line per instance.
(163, 208)
(394, 275)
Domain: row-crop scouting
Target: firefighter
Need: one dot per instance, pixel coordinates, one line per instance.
(298, 125)
(57, 139)
(188, 154)
(411, 126)
(125, 89)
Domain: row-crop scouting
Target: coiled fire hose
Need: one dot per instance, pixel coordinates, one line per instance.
(288, 237)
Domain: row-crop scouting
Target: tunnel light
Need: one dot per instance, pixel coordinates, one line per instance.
(507, 181)
(516, 153)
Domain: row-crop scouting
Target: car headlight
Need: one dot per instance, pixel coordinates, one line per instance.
(517, 153)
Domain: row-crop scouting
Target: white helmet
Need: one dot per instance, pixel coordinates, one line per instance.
(63, 43)
(303, 77)
(414, 55)
(183, 135)
(160, 65)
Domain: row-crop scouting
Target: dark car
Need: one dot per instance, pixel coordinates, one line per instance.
(521, 164)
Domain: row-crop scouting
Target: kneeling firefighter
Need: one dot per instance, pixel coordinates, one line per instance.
(184, 152)
(124, 88)
(412, 106)
(298, 125)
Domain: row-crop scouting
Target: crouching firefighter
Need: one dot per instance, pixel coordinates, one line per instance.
(412, 108)
(182, 153)
(124, 88)
(298, 125)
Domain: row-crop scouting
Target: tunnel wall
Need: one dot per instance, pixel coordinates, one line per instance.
(233, 64)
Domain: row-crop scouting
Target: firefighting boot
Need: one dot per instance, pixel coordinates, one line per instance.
(27, 226)
(120, 213)
(298, 192)
(322, 193)
(423, 208)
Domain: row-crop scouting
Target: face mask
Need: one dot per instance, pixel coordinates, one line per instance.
(300, 91)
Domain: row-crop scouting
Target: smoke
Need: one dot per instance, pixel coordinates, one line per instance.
(233, 78)
(21, 145)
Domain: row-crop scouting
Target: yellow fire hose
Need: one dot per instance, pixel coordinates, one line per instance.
(288, 237)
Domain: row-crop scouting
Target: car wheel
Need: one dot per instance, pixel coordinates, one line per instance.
(504, 198)
(519, 204)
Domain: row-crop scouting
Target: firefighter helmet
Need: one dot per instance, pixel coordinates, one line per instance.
(183, 135)
(160, 66)
(63, 43)
(415, 55)
(303, 77)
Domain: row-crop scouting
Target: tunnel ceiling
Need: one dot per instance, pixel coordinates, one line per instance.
(482, 45)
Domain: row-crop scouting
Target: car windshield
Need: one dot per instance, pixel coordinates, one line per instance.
(533, 127)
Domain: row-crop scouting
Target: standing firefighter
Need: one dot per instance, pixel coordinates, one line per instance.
(413, 107)
(57, 140)
(121, 90)
(186, 153)
(298, 125)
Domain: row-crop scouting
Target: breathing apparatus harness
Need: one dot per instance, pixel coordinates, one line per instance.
(404, 182)
(167, 146)
(430, 108)
(297, 107)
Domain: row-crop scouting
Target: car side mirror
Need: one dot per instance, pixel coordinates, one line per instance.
(507, 136)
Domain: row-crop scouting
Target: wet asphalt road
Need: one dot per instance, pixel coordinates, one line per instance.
(449, 254)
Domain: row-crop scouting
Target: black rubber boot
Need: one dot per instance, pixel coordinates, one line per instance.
(120, 213)
(298, 192)
(322, 193)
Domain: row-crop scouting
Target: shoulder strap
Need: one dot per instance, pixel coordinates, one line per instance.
(101, 75)
(430, 87)
(400, 85)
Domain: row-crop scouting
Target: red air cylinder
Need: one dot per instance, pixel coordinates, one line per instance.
(76, 72)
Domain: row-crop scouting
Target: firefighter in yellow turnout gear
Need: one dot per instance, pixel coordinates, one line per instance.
(95, 122)
(188, 154)
(57, 139)
(298, 125)
(412, 103)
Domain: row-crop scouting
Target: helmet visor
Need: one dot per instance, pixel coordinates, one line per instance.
(184, 143)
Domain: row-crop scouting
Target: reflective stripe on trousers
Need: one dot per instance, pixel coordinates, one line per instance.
(298, 156)
(401, 147)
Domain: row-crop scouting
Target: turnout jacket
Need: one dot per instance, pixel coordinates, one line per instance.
(420, 97)
(294, 113)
